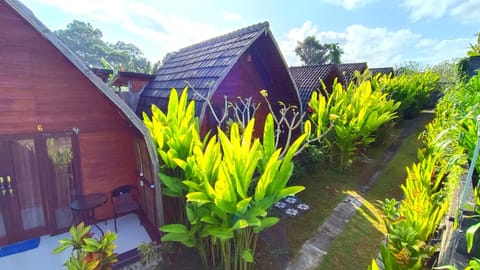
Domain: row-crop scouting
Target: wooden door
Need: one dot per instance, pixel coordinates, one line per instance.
(23, 211)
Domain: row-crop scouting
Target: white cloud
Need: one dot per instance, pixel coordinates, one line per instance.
(230, 16)
(465, 11)
(420, 9)
(163, 32)
(378, 46)
(351, 4)
(287, 45)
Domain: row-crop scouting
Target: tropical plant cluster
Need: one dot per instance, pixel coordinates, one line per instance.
(88, 253)
(357, 111)
(228, 182)
(412, 90)
(449, 140)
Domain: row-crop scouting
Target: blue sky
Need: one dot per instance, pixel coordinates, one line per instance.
(382, 33)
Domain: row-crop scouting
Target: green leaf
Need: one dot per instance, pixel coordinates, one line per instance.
(470, 235)
(220, 232)
(178, 237)
(174, 228)
(243, 204)
(210, 220)
(292, 190)
(199, 197)
(173, 183)
(266, 223)
(191, 184)
(240, 224)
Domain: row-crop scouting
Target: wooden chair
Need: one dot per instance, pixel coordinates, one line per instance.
(124, 201)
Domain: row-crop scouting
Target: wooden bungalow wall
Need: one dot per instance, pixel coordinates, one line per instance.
(39, 86)
(258, 68)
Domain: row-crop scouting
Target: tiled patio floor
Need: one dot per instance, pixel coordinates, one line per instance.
(130, 235)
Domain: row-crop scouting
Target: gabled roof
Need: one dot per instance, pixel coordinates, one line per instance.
(382, 70)
(103, 74)
(127, 113)
(348, 70)
(203, 65)
(307, 79)
(122, 77)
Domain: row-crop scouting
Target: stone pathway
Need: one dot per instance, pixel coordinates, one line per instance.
(313, 250)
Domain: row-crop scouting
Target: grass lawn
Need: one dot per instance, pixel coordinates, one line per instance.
(326, 188)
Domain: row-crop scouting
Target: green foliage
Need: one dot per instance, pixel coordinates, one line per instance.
(432, 179)
(86, 41)
(446, 71)
(358, 111)
(229, 181)
(88, 253)
(308, 160)
(412, 90)
(475, 48)
(175, 135)
(232, 183)
(312, 52)
(149, 253)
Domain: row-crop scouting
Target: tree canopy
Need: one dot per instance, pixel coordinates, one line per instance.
(312, 52)
(86, 41)
(475, 48)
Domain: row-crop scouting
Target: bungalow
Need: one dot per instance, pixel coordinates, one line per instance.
(348, 70)
(238, 64)
(63, 133)
(307, 79)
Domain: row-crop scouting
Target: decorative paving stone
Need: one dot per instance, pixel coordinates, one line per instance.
(291, 206)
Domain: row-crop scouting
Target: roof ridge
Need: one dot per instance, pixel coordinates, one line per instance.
(355, 63)
(252, 28)
(317, 65)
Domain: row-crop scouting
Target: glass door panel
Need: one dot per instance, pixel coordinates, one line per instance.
(61, 177)
(27, 190)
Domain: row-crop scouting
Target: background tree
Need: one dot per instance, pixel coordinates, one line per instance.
(446, 70)
(475, 48)
(86, 41)
(312, 52)
(334, 52)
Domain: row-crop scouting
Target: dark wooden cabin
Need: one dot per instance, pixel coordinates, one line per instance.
(63, 133)
(348, 70)
(238, 64)
(307, 79)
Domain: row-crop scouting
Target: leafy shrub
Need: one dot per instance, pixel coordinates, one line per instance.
(310, 158)
(175, 135)
(358, 111)
(412, 90)
(229, 181)
(87, 252)
(232, 183)
(430, 181)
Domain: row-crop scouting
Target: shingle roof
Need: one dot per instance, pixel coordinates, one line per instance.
(203, 65)
(348, 70)
(382, 70)
(307, 79)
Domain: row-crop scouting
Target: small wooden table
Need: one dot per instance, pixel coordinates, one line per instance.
(85, 205)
